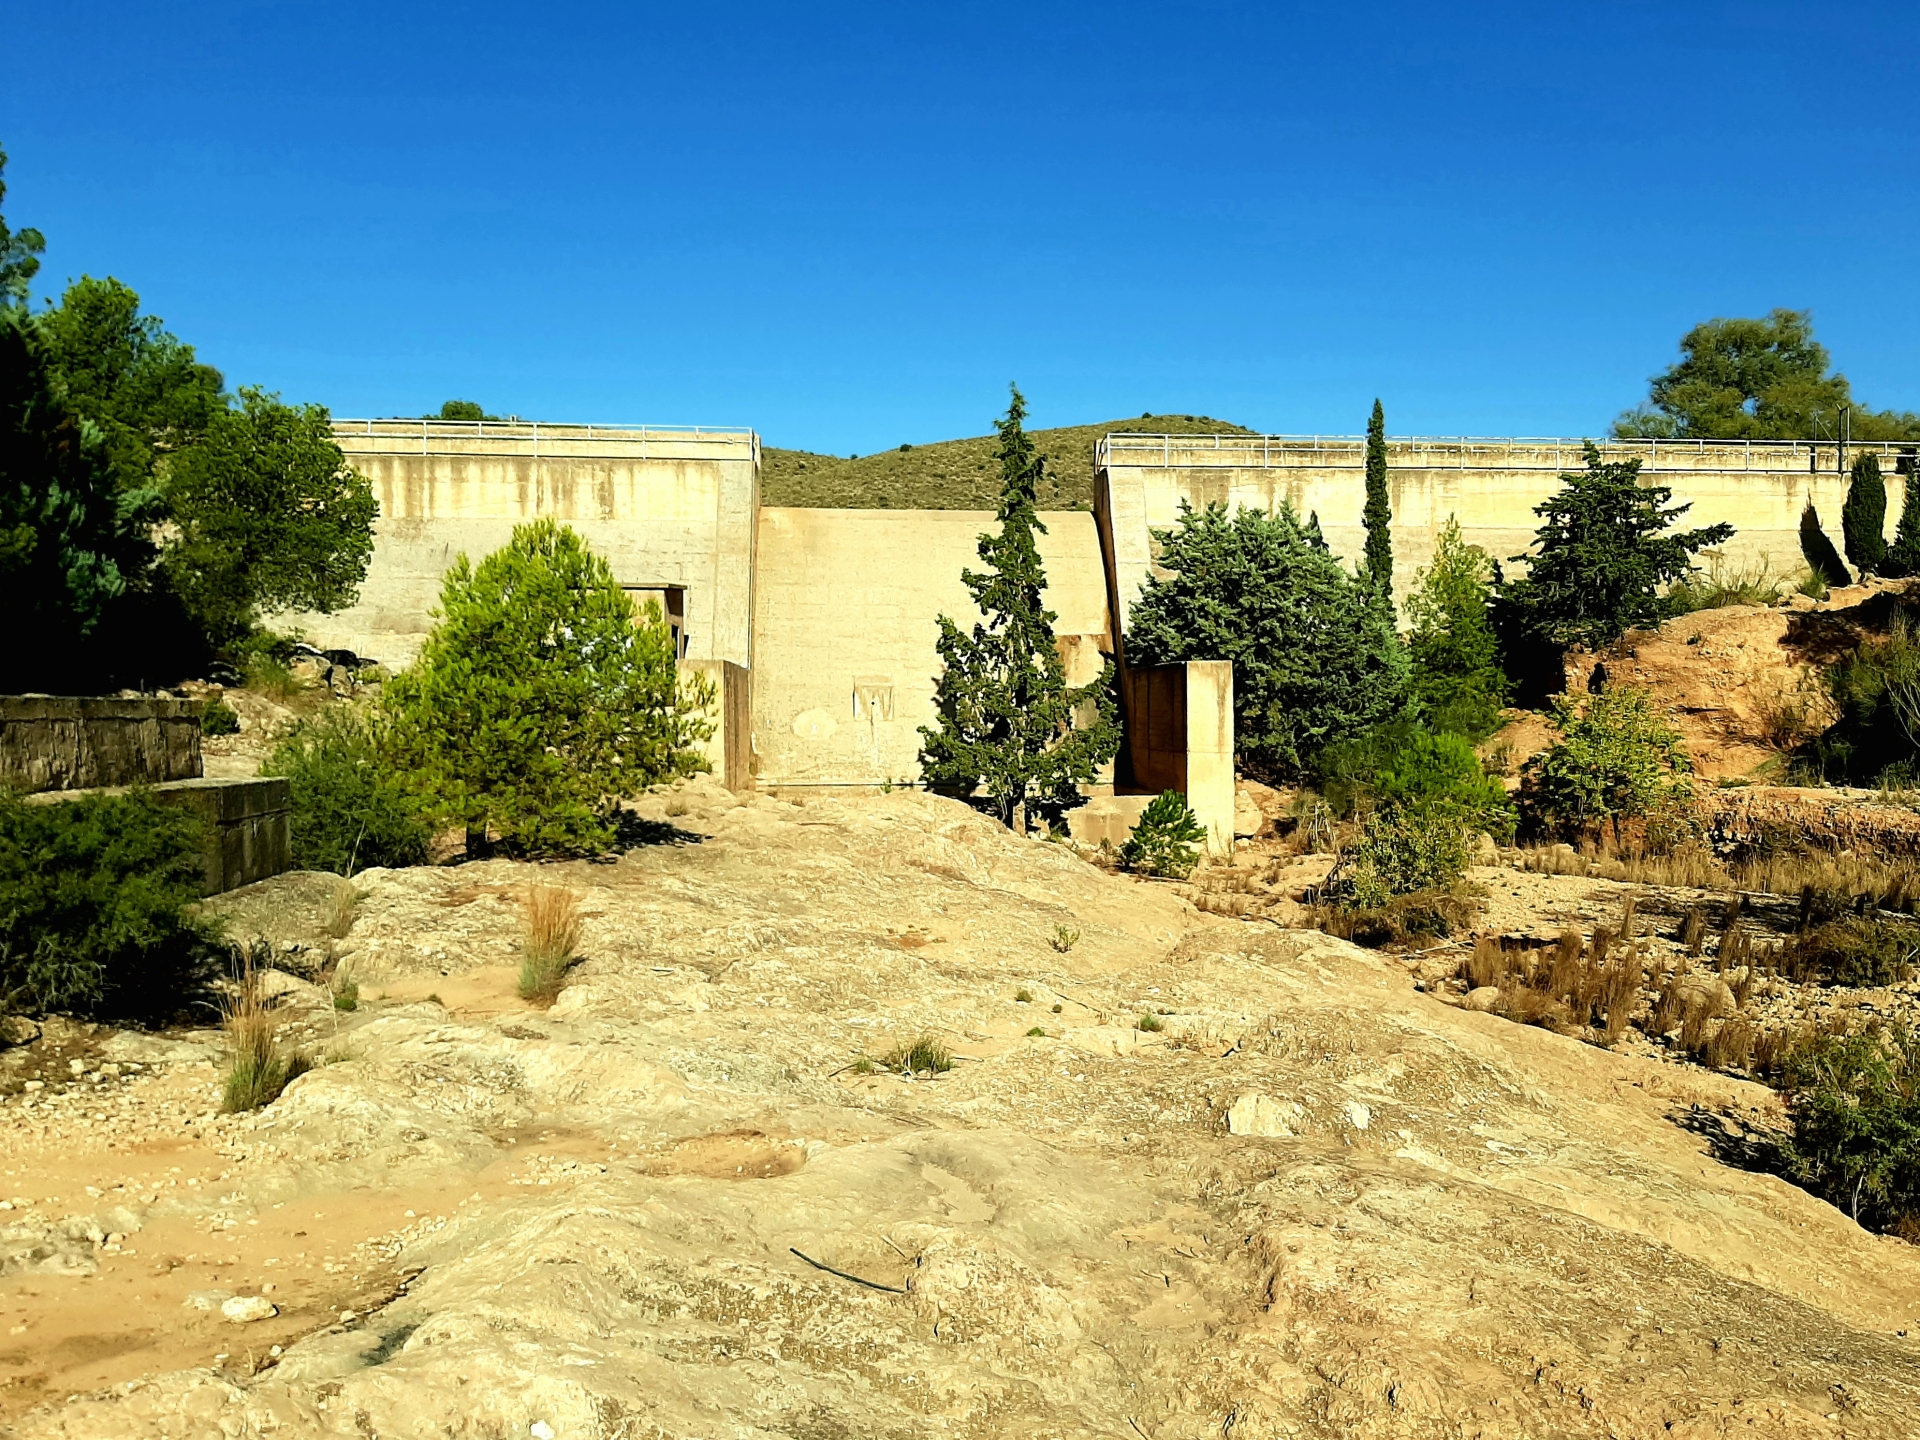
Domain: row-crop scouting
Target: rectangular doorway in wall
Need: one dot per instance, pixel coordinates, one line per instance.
(672, 600)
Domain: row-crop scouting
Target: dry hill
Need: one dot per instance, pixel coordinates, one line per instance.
(955, 474)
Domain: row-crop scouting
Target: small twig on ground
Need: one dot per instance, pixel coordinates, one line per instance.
(870, 1284)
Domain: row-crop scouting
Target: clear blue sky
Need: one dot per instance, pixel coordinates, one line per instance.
(850, 226)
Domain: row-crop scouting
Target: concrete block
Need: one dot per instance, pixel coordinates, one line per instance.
(246, 835)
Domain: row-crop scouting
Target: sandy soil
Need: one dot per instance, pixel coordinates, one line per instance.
(1315, 1201)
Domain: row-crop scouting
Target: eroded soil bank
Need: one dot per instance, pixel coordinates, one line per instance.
(1314, 1202)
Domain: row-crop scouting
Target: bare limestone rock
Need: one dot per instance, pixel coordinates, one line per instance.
(1317, 1203)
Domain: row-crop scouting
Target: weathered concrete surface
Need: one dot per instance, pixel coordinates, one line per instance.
(667, 508)
(65, 742)
(1490, 485)
(729, 750)
(1180, 737)
(1468, 1227)
(246, 827)
(847, 616)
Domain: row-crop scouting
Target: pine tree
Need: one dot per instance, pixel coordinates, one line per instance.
(1006, 717)
(541, 698)
(1903, 556)
(1605, 553)
(1825, 562)
(1863, 516)
(1377, 515)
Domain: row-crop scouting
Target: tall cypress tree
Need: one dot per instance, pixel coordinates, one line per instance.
(1378, 515)
(1863, 516)
(1903, 556)
(1006, 717)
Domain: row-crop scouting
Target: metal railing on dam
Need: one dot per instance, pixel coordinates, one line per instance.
(534, 440)
(1515, 454)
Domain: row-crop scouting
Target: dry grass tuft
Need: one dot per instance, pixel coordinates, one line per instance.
(343, 901)
(257, 1069)
(552, 924)
(922, 1056)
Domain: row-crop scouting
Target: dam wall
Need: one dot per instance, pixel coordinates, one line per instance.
(831, 615)
(1490, 485)
(671, 509)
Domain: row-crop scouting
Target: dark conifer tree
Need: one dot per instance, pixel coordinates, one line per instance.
(1863, 516)
(1903, 556)
(1007, 721)
(1378, 515)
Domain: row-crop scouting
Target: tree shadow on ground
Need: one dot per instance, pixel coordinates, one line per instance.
(633, 833)
(1734, 1142)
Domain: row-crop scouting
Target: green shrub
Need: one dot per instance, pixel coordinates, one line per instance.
(1616, 759)
(1721, 587)
(1315, 657)
(351, 810)
(921, 1056)
(95, 906)
(1855, 950)
(1458, 686)
(1855, 1104)
(1401, 851)
(1400, 765)
(541, 699)
(1165, 840)
(1876, 689)
(1602, 558)
(218, 718)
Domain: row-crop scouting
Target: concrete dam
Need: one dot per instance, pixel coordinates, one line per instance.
(829, 615)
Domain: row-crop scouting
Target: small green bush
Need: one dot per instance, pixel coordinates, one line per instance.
(1401, 852)
(923, 1056)
(542, 698)
(1876, 688)
(1616, 759)
(1857, 950)
(1165, 840)
(1402, 766)
(95, 906)
(218, 718)
(1855, 1104)
(1149, 1022)
(350, 808)
(1457, 682)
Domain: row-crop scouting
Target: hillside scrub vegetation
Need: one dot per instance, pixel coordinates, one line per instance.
(1315, 657)
(1007, 725)
(540, 699)
(1616, 759)
(1875, 687)
(958, 474)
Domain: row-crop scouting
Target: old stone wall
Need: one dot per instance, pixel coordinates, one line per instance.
(64, 742)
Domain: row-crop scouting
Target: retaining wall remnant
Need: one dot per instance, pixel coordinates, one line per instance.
(68, 742)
